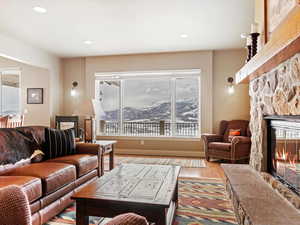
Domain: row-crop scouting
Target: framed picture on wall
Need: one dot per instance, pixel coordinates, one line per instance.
(35, 95)
(275, 12)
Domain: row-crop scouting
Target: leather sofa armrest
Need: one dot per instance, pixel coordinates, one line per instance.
(212, 138)
(14, 206)
(89, 148)
(241, 140)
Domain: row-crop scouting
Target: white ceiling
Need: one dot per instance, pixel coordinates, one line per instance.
(127, 26)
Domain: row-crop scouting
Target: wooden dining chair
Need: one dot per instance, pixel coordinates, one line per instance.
(16, 121)
(3, 121)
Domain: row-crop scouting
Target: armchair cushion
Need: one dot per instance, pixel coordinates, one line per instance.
(128, 219)
(241, 139)
(212, 138)
(32, 186)
(220, 146)
(14, 206)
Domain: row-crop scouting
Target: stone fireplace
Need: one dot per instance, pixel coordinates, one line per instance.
(275, 93)
(284, 150)
(259, 196)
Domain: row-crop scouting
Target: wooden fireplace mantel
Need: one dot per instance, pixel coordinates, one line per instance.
(285, 43)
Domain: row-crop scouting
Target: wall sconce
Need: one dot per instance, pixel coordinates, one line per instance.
(73, 90)
(230, 87)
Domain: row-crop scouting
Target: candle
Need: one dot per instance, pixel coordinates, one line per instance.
(249, 41)
(254, 28)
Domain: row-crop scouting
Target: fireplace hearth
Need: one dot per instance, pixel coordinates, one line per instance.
(283, 156)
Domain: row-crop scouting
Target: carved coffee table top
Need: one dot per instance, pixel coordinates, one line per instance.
(138, 183)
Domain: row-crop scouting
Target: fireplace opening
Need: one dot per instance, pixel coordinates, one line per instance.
(284, 150)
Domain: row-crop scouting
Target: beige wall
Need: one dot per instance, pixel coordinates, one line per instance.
(23, 52)
(83, 70)
(32, 77)
(226, 106)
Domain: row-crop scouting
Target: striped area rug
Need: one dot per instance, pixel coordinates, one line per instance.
(188, 163)
(204, 202)
(201, 202)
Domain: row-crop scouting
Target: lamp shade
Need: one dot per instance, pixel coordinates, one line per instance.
(98, 109)
(86, 108)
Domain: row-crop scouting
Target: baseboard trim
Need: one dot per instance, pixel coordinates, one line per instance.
(197, 154)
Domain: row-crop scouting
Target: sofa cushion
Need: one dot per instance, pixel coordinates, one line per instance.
(32, 186)
(84, 162)
(59, 143)
(220, 145)
(53, 175)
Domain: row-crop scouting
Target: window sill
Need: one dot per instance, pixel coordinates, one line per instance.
(149, 138)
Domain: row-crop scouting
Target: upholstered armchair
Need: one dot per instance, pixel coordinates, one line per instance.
(14, 206)
(224, 146)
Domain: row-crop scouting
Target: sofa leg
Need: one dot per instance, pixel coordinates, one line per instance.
(207, 158)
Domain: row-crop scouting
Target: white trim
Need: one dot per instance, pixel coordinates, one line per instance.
(153, 73)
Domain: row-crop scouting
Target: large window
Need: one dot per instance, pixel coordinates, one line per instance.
(10, 92)
(149, 103)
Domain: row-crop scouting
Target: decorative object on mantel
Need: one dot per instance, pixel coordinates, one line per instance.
(73, 90)
(254, 38)
(283, 45)
(35, 95)
(275, 12)
(230, 86)
(249, 48)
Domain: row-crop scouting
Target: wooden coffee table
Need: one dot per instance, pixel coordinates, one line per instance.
(148, 190)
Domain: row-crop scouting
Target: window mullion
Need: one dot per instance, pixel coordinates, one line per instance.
(173, 106)
(1, 110)
(121, 96)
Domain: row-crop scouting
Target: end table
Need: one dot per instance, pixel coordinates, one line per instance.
(107, 148)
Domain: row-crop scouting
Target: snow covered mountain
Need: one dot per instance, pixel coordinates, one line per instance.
(186, 111)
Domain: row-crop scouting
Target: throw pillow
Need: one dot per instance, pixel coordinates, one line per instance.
(59, 143)
(233, 133)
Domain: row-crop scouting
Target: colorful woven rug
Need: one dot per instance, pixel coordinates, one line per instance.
(188, 163)
(201, 202)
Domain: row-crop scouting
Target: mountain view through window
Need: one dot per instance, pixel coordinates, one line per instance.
(159, 106)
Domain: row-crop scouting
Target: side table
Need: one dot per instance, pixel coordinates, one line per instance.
(107, 148)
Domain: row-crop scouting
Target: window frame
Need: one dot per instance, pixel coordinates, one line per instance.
(15, 71)
(173, 75)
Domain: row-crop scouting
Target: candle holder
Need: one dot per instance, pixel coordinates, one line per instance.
(249, 48)
(254, 37)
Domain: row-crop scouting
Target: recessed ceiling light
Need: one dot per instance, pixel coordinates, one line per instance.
(39, 9)
(183, 35)
(88, 42)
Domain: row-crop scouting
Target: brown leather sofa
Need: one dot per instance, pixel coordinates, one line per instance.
(49, 184)
(220, 146)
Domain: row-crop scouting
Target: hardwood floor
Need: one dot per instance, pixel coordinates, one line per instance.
(212, 169)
